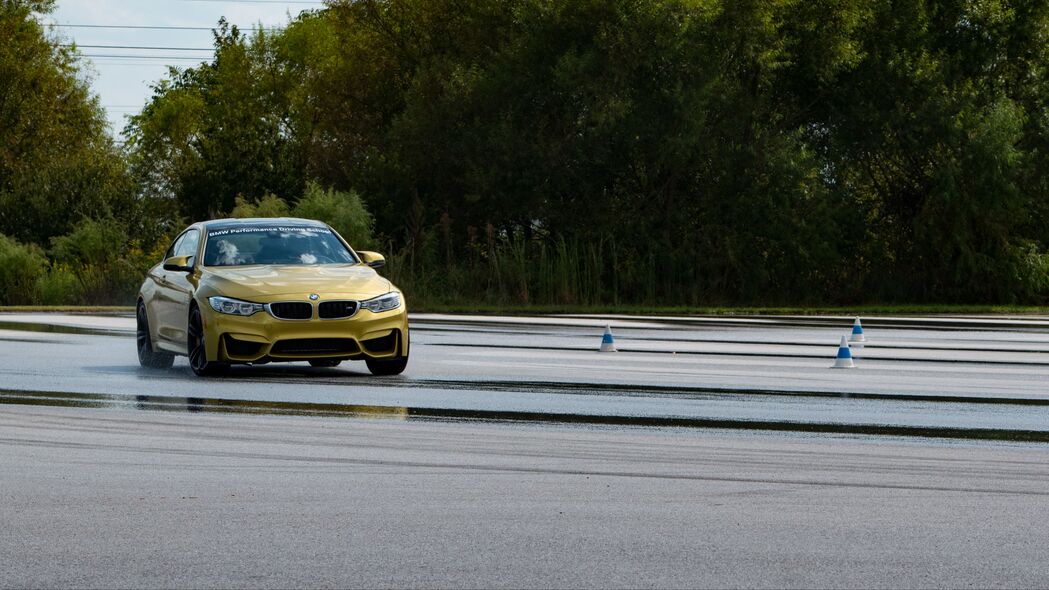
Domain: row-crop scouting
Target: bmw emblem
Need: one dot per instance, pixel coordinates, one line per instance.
(314, 296)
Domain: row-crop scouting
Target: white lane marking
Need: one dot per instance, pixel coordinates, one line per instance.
(642, 361)
(868, 383)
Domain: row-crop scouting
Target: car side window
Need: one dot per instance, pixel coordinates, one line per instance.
(187, 245)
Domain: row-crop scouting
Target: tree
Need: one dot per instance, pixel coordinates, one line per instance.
(672, 151)
(236, 126)
(343, 211)
(57, 160)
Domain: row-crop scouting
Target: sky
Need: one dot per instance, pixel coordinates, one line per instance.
(121, 76)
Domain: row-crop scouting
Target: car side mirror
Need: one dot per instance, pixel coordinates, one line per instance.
(179, 264)
(372, 259)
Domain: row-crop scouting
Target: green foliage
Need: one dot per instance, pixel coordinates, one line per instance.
(62, 180)
(593, 152)
(60, 286)
(57, 161)
(267, 206)
(343, 211)
(20, 268)
(107, 265)
(92, 242)
(241, 125)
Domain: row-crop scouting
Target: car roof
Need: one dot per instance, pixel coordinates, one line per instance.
(286, 221)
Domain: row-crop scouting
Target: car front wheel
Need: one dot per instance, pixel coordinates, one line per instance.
(394, 366)
(387, 366)
(198, 357)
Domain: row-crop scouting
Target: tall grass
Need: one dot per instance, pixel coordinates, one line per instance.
(516, 271)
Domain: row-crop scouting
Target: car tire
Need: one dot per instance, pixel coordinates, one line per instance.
(325, 363)
(196, 347)
(394, 366)
(147, 357)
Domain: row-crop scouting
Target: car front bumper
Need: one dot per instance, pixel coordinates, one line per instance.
(262, 337)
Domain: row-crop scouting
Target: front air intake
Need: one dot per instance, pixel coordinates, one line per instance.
(381, 345)
(333, 310)
(308, 346)
(242, 348)
(291, 310)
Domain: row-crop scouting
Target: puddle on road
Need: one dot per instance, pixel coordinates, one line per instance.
(57, 329)
(231, 406)
(31, 340)
(194, 404)
(300, 374)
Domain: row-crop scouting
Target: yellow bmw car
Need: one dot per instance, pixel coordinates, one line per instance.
(253, 291)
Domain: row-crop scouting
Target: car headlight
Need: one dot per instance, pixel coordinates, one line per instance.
(382, 302)
(234, 306)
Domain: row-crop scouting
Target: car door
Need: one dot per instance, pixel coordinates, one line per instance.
(174, 292)
(157, 303)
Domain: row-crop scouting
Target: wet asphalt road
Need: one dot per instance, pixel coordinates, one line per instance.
(966, 374)
(123, 498)
(285, 475)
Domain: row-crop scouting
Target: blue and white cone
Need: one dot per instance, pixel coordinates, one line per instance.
(844, 360)
(608, 344)
(857, 332)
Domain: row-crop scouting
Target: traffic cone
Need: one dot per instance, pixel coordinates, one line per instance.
(844, 359)
(608, 344)
(857, 332)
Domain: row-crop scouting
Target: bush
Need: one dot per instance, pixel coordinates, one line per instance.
(20, 268)
(108, 268)
(345, 212)
(98, 242)
(59, 286)
(267, 206)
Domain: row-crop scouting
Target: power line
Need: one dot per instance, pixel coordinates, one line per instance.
(136, 64)
(256, 1)
(176, 57)
(148, 27)
(140, 47)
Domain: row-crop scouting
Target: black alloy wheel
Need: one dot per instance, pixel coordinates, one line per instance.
(198, 357)
(325, 362)
(147, 357)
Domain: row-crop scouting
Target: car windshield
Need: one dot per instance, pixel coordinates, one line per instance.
(274, 244)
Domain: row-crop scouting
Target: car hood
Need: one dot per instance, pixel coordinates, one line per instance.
(265, 283)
